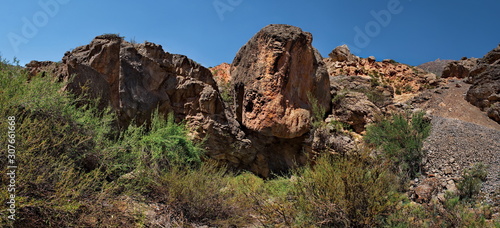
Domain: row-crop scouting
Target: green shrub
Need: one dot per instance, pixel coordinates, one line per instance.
(111, 36)
(226, 93)
(56, 146)
(167, 144)
(345, 191)
(197, 194)
(470, 185)
(318, 111)
(400, 138)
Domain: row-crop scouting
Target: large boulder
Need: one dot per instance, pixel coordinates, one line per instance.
(459, 69)
(136, 79)
(277, 76)
(355, 109)
(341, 54)
(436, 67)
(485, 90)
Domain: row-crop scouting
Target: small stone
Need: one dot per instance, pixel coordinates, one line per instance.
(451, 187)
(448, 170)
(441, 197)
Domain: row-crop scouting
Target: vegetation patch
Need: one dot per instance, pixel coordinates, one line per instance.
(400, 139)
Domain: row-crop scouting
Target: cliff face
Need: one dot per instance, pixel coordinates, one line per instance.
(485, 90)
(135, 79)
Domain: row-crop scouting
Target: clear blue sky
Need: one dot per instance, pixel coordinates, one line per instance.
(212, 31)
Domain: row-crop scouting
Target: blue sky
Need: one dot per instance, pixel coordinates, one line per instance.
(212, 31)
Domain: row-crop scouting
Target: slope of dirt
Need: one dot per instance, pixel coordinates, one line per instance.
(449, 102)
(461, 136)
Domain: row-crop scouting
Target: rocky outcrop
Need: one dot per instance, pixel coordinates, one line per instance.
(44, 68)
(402, 78)
(459, 69)
(221, 73)
(341, 54)
(275, 79)
(357, 100)
(276, 76)
(355, 109)
(485, 90)
(436, 67)
(136, 79)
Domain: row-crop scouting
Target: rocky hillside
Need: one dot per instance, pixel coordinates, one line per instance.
(401, 78)
(263, 104)
(278, 105)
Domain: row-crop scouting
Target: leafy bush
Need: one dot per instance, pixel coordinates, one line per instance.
(470, 185)
(197, 194)
(226, 93)
(345, 191)
(167, 144)
(318, 111)
(111, 36)
(56, 156)
(400, 138)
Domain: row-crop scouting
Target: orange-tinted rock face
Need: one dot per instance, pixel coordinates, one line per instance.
(402, 77)
(276, 75)
(222, 73)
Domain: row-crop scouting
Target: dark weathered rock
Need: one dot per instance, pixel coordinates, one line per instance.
(355, 109)
(136, 79)
(459, 69)
(45, 68)
(494, 112)
(426, 190)
(276, 75)
(485, 79)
